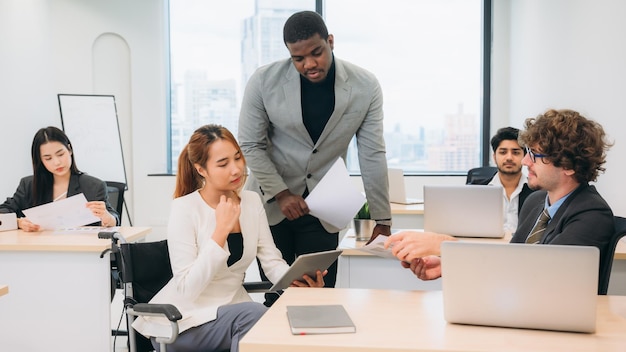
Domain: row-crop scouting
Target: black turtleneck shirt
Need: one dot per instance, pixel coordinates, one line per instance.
(318, 103)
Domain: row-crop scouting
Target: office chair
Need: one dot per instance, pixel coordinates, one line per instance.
(115, 191)
(144, 268)
(607, 263)
(480, 175)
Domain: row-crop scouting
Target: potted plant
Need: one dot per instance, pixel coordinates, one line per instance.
(364, 212)
(363, 223)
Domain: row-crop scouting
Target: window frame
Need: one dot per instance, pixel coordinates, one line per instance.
(485, 108)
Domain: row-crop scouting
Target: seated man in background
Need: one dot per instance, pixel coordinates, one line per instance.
(508, 155)
(565, 151)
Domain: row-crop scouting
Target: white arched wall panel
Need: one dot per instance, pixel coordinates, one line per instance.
(111, 76)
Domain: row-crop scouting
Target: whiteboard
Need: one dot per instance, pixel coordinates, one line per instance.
(90, 122)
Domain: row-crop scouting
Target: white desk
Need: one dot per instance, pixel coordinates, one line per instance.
(409, 216)
(357, 269)
(361, 270)
(403, 321)
(60, 291)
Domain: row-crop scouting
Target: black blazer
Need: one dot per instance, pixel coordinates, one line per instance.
(584, 219)
(93, 188)
(526, 191)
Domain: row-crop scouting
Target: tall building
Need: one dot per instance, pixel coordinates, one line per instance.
(262, 34)
(460, 149)
(204, 101)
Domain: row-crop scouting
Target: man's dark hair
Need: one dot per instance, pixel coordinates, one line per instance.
(504, 134)
(303, 25)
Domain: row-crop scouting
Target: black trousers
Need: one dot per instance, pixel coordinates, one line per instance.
(300, 236)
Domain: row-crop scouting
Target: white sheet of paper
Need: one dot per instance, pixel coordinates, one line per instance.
(377, 248)
(335, 199)
(68, 212)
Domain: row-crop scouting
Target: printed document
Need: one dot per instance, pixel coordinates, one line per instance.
(377, 247)
(64, 213)
(335, 199)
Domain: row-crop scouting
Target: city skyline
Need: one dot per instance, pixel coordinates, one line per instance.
(425, 142)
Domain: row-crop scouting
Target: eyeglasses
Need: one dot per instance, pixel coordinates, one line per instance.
(534, 156)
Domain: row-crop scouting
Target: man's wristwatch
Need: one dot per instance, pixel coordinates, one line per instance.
(386, 222)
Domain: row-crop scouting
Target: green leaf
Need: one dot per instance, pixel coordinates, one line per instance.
(364, 212)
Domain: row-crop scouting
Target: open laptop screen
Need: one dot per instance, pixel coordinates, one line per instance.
(464, 210)
(549, 287)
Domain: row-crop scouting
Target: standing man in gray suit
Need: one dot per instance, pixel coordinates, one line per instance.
(298, 116)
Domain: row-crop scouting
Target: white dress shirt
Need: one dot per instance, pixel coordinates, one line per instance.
(511, 206)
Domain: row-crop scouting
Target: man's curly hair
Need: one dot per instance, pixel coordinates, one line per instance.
(569, 140)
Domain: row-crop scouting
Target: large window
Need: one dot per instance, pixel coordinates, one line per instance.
(427, 55)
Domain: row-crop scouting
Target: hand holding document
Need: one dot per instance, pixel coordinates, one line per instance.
(335, 199)
(68, 212)
(377, 247)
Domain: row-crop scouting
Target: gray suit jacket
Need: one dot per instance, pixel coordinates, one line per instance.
(281, 154)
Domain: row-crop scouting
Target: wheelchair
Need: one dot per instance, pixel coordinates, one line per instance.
(143, 269)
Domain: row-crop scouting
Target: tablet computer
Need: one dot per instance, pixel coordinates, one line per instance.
(306, 264)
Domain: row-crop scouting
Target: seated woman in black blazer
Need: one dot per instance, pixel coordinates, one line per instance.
(55, 176)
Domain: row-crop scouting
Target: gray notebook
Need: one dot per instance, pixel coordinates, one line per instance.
(319, 319)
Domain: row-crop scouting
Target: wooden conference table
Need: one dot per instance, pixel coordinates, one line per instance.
(60, 290)
(402, 321)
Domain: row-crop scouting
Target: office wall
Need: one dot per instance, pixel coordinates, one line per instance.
(558, 53)
(571, 54)
(86, 47)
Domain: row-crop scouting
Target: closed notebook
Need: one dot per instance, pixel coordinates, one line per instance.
(319, 319)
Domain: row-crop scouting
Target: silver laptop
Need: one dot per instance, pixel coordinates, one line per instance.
(397, 189)
(8, 222)
(464, 210)
(547, 287)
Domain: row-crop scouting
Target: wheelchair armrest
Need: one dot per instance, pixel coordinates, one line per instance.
(257, 286)
(151, 309)
(167, 310)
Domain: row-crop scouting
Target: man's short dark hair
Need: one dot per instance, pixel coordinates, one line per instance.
(303, 25)
(504, 134)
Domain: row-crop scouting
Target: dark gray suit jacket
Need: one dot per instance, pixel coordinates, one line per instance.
(584, 219)
(93, 188)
